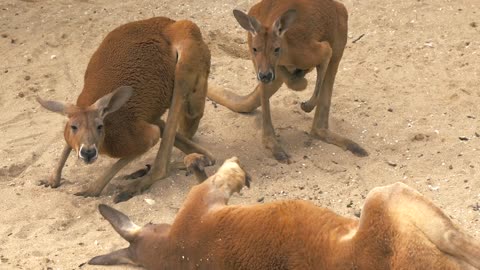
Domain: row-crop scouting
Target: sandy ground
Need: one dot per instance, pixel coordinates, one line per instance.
(408, 91)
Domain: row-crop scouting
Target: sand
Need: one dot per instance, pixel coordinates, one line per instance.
(407, 90)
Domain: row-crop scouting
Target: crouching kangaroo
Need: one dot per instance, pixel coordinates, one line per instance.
(286, 40)
(140, 70)
(398, 229)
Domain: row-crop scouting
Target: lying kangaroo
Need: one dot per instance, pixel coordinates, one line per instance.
(286, 40)
(398, 229)
(140, 70)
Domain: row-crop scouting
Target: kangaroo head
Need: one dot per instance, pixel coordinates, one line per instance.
(265, 42)
(147, 244)
(84, 130)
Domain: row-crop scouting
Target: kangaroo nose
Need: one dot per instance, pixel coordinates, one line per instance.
(88, 154)
(266, 77)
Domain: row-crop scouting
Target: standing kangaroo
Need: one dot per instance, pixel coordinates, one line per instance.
(140, 70)
(399, 229)
(286, 40)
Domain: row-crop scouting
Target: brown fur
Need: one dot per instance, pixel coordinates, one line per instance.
(163, 65)
(308, 34)
(398, 229)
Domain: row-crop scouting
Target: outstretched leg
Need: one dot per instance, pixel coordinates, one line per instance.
(54, 179)
(214, 192)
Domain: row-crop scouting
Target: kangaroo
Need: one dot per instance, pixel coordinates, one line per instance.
(286, 40)
(398, 229)
(140, 70)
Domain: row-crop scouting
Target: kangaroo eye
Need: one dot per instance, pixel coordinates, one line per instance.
(74, 128)
(277, 50)
(255, 50)
(99, 127)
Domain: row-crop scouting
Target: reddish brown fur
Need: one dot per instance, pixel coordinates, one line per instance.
(308, 34)
(398, 229)
(166, 63)
(141, 55)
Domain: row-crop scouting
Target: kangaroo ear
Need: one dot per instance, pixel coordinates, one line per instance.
(120, 222)
(56, 106)
(281, 25)
(113, 101)
(247, 22)
(121, 256)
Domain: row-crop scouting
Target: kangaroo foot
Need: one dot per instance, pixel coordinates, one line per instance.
(51, 182)
(88, 193)
(277, 151)
(342, 142)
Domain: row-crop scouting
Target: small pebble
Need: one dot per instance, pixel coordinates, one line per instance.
(418, 137)
(391, 163)
(27, 78)
(150, 201)
(350, 204)
(261, 199)
(476, 207)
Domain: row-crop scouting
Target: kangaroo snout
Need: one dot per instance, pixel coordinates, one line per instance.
(88, 154)
(266, 77)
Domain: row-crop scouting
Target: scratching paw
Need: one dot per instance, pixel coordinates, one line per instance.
(129, 191)
(139, 173)
(123, 196)
(197, 162)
